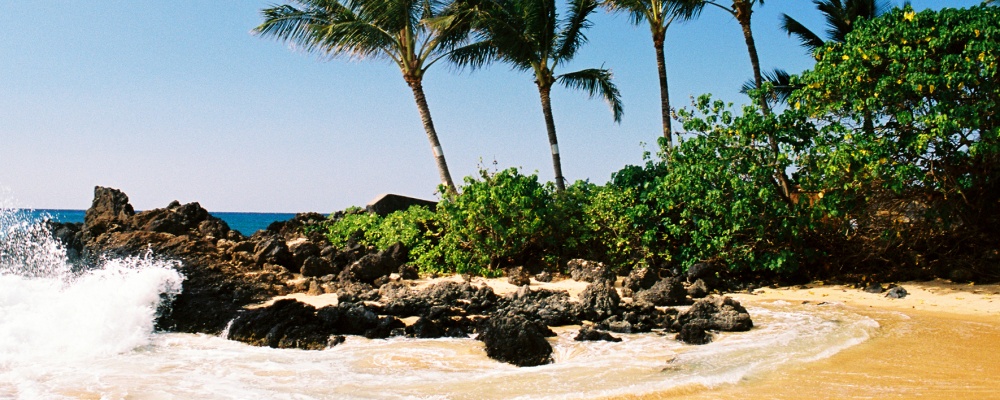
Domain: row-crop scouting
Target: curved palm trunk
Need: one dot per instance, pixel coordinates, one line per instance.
(550, 125)
(743, 16)
(425, 117)
(661, 67)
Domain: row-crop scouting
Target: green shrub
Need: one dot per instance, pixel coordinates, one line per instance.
(720, 199)
(500, 220)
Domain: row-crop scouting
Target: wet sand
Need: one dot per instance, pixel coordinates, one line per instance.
(940, 342)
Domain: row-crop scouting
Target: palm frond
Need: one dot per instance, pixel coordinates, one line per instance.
(327, 27)
(781, 84)
(571, 37)
(806, 37)
(473, 56)
(596, 82)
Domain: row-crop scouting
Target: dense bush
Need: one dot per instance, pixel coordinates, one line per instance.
(908, 153)
(500, 220)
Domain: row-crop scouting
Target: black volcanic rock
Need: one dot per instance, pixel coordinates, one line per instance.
(518, 276)
(515, 340)
(589, 271)
(716, 313)
(371, 267)
(284, 324)
(600, 300)
(592, 335)
(666, 292)
(638, 280)
(695, 332)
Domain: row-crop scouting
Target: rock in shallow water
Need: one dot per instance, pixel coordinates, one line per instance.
(515, 340)
(712, 313)
(590, 334)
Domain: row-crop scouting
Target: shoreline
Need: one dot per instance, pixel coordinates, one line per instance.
(938, 342)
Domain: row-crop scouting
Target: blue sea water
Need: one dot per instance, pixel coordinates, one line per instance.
(243, 222)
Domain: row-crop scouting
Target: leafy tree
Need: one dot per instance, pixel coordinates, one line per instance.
(659, 14)
(929, 85)
(742, 11)
(373, 29)
(530, 36)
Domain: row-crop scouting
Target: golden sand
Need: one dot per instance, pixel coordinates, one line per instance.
(942, 341)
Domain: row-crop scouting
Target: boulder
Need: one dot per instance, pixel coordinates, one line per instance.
(589, 271)
(356, 319)
(695, 332)
(303, 249)
(590, 334)
(896, 292)
(518, 276)
(716, 313)
(372, 267)
(272, 250)
(638, 318)
(179, 219)
(544, 276)
(431, 328)
(515, 340)
(638, 280)
(706, 272)
(875, 288)
(666, 292)
(448, 297)
(284, 324)
(698, 289)
(547, 307)
(407, 271)
(316, 267)
(386, 204)
(600, 300)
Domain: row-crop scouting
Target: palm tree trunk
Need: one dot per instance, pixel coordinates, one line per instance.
(550, 125)
(661, 67)
(425, 117)
(743, 16)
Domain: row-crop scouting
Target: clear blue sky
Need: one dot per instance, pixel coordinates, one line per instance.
(177, 100)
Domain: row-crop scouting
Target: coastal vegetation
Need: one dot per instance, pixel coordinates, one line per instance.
(882, 162)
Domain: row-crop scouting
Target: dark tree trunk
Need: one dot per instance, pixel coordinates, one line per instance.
(425, 117)
(743, 14)
(661, 67)
(550, 125)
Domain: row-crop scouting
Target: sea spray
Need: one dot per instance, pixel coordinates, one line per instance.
(49, 314)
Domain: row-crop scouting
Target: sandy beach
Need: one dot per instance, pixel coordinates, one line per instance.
(941, 341)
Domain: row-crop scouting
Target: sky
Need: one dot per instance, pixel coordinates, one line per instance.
(177, 100)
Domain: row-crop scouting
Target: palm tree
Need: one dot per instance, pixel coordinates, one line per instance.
(659, 14)
(530, 36)
(842, 17)
(742, 10)
(373, 29)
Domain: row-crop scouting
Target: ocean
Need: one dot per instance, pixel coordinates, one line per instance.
(243, 222)
(71, 334)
